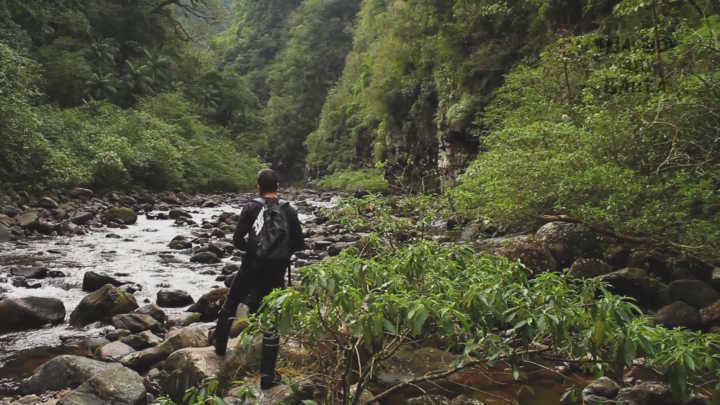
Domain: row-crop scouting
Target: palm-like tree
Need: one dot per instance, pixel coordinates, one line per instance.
(102, 85)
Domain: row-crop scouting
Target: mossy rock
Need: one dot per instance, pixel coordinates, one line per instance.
(121, 214)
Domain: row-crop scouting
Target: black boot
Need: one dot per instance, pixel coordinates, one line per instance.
(222, 332)
(268, 377)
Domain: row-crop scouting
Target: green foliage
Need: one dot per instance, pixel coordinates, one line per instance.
(605, 138)
(449, 296)
(205, 394)
(370, 180)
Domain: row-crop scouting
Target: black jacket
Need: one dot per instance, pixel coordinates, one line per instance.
(249, 213)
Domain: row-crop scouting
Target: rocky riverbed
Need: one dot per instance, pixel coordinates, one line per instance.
(122, 289)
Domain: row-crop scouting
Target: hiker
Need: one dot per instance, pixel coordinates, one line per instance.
(273, 234)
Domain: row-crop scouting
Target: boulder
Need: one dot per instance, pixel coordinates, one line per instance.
(187, 368)
(135, 322)
(30, 272)
(5, 234)
(191, 336)
(28, 219)
(180, 242)
(114, 351)
(209, 304)
(65, 371)
(123, 215)
(694, 292)
(603, 387)
(116, 385)
(568, 241)
(154, 311)
(82, 218)
(173, 298)
(93, 281)
(102, 305)
(206, 257)
(532, 255)
(30, 313)
(588, 268)
(81, 193)
(710, 315)
(142, 340)
(678, 314)
(177, 213)
(715, 278)
(646, 393)
(49, 203)
(633, 282)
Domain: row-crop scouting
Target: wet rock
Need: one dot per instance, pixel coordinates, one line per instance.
(180, 242)
(243, 359)
(116, 385)
(65, 371)
(47, 202)
(646, 393)
(142, 340)
(170, 198)
(694, 292)
(568, 241)
(30, 272)
(209, 304)
(30, 313)
(603, 387)
(205, 257)
(154, 311)
(5, 234)
(93, 281)
(136, 322)
(82, 218)
(230, 268)
(117, 334)
(588, 268)
(173, 298)
(177, 213)
(632, 282)
(114, 351)
(678, 314)
(534, 256)
(102, 305)
(28, 219)
(22, 282)
(191, 336)
(336, 248)
(122, 215)
(710, 315)
(81, 193)
(47, 227)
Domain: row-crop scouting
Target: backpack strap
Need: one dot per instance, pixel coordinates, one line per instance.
(261, 201)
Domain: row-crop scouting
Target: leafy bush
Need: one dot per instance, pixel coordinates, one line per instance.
(370, 180)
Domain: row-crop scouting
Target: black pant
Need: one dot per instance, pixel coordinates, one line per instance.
(251, 284)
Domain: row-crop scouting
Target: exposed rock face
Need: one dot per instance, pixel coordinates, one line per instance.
(62, 372)
(93, 281)
(191, 336)
(588, 268)
(678, 314)
(187, 368)
(173, 298)
(102, 305)
(123, 215)
(568, 241)
(30, 313)
(694, 292)
(646, 393)
(116, 385)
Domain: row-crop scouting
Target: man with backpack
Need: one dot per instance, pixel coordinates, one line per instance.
(273, 234)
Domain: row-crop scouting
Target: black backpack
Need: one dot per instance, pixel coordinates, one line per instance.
(272, 231)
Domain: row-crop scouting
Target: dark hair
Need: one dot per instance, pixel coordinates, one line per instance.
(267, 181)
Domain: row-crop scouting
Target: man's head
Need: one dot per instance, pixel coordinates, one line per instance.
(267, 181)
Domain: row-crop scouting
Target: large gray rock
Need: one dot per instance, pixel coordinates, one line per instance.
(588, 268)
(114, 351)
(142, 340)
(695, 292)
(62, 372)
(205, 257)
(117, 386)
(32, 272)
(710, 315)
(569, 241)
(5, 233)
(187, 368)
(102, 305)
(82, 218)
(30, 313)
(191, 336)
(47, 202)
(28, 219)
(209, 304)
(678, 314)
(533, 255)
(135, 322)
(154, 311)
(120, 214)
(180, 242)
(82, 193)
(93, 281)
(636, 283)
